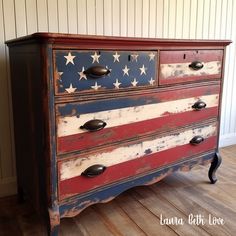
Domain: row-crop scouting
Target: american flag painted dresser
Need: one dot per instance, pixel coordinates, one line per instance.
(94, 116)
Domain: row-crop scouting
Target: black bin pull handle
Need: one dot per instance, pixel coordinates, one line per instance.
(196, 140)
(94, 171)
(93, 125)
(196, 65)
(97, 71)
(199, 105)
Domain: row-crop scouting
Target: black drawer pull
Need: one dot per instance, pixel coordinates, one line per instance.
(94, 170)
(196, 140)
(94, 125)
(97, 71)
(199, 105)
(196, 65)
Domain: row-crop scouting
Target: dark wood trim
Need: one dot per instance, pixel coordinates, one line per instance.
(114, 41)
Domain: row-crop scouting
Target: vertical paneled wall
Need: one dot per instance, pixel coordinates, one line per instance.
(190, 19)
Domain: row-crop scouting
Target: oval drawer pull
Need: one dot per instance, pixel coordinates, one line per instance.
(196, 65)
(199, 105)
(97, 71)
(196, 140)
(94, 170)
(94, 125)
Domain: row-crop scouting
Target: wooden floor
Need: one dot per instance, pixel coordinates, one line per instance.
(139, 210)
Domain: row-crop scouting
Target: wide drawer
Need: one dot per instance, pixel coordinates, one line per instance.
(92, 71)
(132, 116)
(189, 65)
(130, 159)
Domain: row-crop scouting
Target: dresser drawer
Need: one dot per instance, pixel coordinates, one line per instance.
(76, 71)
(127, 160)
(189, 65)
(131, 117)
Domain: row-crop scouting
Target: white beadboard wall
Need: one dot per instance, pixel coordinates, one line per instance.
(189, 19)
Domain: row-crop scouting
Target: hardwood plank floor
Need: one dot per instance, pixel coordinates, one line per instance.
(139, 211)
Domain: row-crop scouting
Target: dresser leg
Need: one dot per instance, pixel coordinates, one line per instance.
(214, 166)
(54, 221)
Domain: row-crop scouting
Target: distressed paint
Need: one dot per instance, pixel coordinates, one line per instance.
(76, 185)
(72, 168)
(174, 65)
(54, 218)
(131, 100)
(80, 142)
(178, 70)
(124, 66)
(184, 56)
(70, 125)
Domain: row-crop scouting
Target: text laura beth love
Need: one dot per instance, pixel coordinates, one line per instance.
(192, 219)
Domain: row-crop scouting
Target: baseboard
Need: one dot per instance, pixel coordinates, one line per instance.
(8, 186)
(227, 140)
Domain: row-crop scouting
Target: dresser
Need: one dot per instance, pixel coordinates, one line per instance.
(95, 116)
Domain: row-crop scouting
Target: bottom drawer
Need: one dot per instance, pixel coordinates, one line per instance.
(131, 159)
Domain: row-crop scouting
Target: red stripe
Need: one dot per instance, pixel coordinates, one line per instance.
(82, 141)
(175, 80)
(85, 140)
(123, 170)
(168, 57)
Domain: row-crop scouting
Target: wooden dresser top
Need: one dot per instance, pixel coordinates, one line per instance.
(79, 38)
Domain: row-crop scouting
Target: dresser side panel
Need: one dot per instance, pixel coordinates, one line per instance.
(27, 87)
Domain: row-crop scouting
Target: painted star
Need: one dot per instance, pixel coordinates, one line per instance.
(117, 84)
(109, 74)
(151, 56)
(134, 82)
(70, 89)
(116, 57)
(134, 57)
(151, 81)
(96, 86)
(95, 57)
(143, 70)
(126, 71)
(69, 59)
(82, 75)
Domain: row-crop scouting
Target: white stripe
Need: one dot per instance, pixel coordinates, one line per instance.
(182, 69)
(70, 124)
(72, 168)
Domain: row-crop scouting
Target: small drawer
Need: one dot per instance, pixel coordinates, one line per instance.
(87, 125)
(88, 172)
(185, 66)
(93, 71)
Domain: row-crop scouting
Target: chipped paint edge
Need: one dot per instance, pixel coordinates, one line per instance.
(77, 204)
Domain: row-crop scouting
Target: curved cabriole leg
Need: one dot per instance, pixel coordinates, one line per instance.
(214, 166)
(54, 221)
